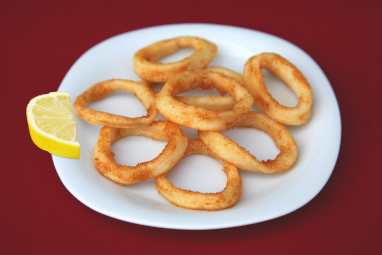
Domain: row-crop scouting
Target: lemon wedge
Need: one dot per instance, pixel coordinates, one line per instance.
(51, 124)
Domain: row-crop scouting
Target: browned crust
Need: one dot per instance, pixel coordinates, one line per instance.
(228, 150)
(196, 117)
(203, 201)
(104, 88)
(147, 67)
(126, 175)
(291, 76)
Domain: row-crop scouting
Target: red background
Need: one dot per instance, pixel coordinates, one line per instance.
(40, 40)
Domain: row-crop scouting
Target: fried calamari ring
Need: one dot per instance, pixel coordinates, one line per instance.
(147, 67)
(104, 88)
(203, 201)
(126, 175)
(214, 102)
(291, 76)
(228, 150)
(196, 117)
(211, 102)
(226, 72)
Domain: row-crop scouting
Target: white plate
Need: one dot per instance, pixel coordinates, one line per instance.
(264, 197)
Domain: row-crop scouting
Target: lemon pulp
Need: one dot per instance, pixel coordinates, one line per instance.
(51, 124)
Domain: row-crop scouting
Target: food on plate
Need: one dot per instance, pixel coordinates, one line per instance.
(203, 201)
(226, 72)
(51, 124)
(214, 102)
(146, 63)
(104, 88)
(196, 117)
(209, 102)
(291, 76)
(206, 114)
(126, 175)
(233, 153)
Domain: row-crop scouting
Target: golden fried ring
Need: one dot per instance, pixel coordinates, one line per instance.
(203, 201)
(196, 117)
(228, 150)
(147, 67)
(291, 76)
(212, 102)
(104, 88)
(126, 175)
(226, 72)
(209, 102)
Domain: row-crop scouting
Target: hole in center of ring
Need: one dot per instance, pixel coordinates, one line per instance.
(179, 55)
(279, 90)
(256, 142)
(120, 102)
(132, 150)
(198, 173)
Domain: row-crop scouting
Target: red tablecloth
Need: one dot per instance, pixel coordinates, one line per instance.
(39, 42)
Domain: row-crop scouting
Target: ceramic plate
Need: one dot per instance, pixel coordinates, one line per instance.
(264, 197)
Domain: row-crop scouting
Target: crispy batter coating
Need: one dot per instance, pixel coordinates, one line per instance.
(291, 76)
(126, 175)
(147, 67)
(104, 88)
(211, 102)
(215, 102)
(203, 201)
(196, 117)
(228, 150)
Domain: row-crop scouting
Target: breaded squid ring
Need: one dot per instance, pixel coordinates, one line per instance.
(212, 102)
(215, 102)
(147, 67)
(203, 201)
(104, 88)
(196, 117)
(228, 150)
(209, 102)
(291, 76)
(126, 175)
(226, 72)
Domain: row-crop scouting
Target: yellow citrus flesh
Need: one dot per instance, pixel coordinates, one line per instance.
(51, 124)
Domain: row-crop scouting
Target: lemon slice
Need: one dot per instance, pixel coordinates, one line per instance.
(51, 124)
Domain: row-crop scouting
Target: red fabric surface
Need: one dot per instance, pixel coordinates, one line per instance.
(39, 42)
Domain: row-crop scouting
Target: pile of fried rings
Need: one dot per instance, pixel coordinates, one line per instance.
(207, 114)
